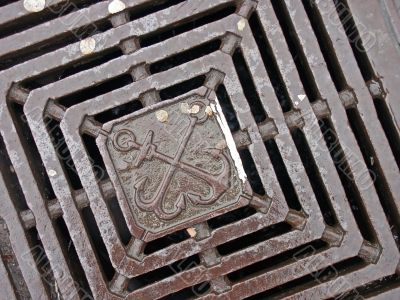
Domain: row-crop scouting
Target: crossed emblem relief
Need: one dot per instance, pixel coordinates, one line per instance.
(125, 141)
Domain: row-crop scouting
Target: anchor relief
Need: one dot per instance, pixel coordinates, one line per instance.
(125, 140)
(177, 169)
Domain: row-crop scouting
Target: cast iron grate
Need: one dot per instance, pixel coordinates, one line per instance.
(309, 102)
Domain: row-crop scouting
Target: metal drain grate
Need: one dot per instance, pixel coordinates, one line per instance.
(216, 148)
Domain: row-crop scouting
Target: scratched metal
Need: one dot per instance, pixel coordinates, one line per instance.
(312, 106)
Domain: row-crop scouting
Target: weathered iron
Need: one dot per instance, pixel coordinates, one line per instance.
(212, 149)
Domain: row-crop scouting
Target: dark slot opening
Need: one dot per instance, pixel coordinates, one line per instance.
(166, 241)
(374, 288)
(30, 147)
(296, 50)
(119, 111)
(325, 44)
(164, 272)
(11, 180)
(273, 262)
(101, 174)
(249, 89)
(185, 56)
(389, 128)
(373, 164)
(231, 217)
(347, 178)
(182, 87)
(140, 11)
(95, 157)
(254, 238)
(270, 63)
(325, 274)
(39, 255)
(282, 175)
(251, 172)
(119, 220)
(227, 108)
(50, 13)
(14, 58)
(8, 257)
(72, 258)
(98, 245)
(355, 40)
(189, 292)
(96, 90)
(63, 154)
(314, 176)
(74, 68)
(6, 2)
(191, 23)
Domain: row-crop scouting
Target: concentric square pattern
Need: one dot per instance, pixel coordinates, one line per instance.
(199, 149)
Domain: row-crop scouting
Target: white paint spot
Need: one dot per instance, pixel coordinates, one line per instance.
(241, 24)
(301, 97)
(162, 115)
(87, 45)
(52, 173)
(296, 103)
(217, 109)
(116, 6)
(34, 5)
(192, 232)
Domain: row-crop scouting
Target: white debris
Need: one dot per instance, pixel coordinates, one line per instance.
(192, 232)
(116, 6)
(34, 5)
(301, 97)
(195, 109)
(162, 115)
(87, 45)
(209, 111)
(217, 109)
(241, 24)
(52, 173)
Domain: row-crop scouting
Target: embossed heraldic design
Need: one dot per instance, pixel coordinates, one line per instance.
(172, 166)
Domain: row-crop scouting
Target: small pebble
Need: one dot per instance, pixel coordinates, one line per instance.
(52, 173)
(34, 5)
(87, 45)
(192, 232)
(241, 24)
(162, 115)
(195, 109)
(116, 6)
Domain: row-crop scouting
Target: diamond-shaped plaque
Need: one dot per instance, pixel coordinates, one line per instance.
(175, 163)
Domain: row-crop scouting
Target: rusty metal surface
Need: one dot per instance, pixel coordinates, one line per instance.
(199, 149)
(173, 165)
